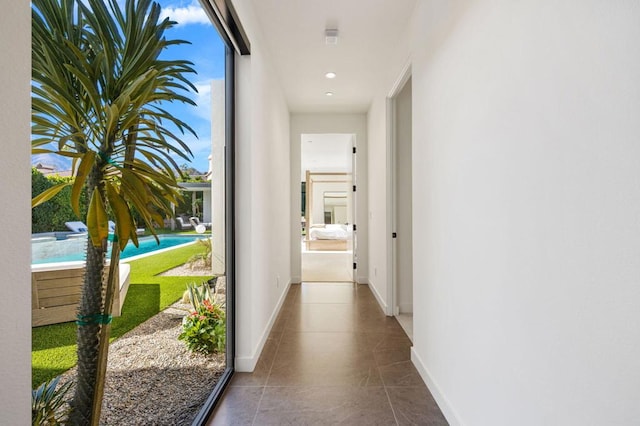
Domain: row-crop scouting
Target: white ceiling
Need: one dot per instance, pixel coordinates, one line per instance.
(368, 33)
(326, 153)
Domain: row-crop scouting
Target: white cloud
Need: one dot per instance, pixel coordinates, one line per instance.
(203, 99)
(192, 14)
(201, 148)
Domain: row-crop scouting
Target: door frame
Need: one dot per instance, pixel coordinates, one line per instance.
(350, 181)
(391, 142)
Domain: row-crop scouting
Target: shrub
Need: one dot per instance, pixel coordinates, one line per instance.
(51, 215)
(48, 403)
(205, 256)
(204, 330)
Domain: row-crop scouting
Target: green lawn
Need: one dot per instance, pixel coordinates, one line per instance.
(54, 346)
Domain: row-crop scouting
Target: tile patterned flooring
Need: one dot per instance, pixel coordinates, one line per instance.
(326, 266)
(332, 358)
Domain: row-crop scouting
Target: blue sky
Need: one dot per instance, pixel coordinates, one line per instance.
(206, 51)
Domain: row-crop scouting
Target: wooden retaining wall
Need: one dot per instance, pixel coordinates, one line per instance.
(55, 293)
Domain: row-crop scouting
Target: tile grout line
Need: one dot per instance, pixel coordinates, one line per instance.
(384, 384)
(275, 354)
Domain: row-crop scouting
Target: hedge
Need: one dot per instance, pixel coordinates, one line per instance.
(51, 215)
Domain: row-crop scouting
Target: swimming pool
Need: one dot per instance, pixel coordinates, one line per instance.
(73, 249)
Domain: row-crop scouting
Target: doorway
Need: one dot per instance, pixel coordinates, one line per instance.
(327, 208)
(402, 211)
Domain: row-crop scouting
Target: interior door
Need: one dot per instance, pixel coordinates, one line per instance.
(354, 205)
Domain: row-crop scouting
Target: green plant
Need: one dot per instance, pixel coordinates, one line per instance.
(204, 256)
(98, 84)
(204, 330)
(48, 403)
(52, 215)
(54, 347)
(198, 293)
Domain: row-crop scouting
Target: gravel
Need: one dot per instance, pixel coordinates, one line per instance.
(152, 378)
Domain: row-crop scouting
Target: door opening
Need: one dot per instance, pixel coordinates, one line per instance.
(402, 209)
(326, 240)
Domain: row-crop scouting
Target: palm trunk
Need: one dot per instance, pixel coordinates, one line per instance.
(89, 310)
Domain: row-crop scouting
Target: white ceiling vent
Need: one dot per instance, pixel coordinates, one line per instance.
(331, 36)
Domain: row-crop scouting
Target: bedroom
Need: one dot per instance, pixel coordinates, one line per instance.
(327, 208)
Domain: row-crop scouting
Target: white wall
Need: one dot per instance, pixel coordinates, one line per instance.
(379, 190)
(263, 214)
(526, 128)
(331, 123)
(15, 190)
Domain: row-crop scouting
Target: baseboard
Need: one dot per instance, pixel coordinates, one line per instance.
(362, 280)
(296, 279)
(441, 399)
(248, 363)
(380, 300)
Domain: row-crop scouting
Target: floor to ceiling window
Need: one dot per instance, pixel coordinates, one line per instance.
(156, 371)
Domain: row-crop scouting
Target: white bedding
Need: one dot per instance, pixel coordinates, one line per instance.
(329, 232)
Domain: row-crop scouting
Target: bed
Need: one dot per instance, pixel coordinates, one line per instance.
(331, 237)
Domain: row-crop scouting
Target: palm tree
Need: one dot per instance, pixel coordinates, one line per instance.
(97, 93)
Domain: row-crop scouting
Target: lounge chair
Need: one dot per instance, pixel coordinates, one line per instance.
(195, 222)
(80, 228)
(200, 228)
(77, 226)
(183, 224)
(112, 228)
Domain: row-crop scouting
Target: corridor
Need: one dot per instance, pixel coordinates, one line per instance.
(332, 358)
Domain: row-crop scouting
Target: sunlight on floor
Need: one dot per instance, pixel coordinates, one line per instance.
(327, 266)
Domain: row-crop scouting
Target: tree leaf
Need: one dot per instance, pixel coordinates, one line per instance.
(123, 218)
(48, 194)
(97, 220)
(87, 161)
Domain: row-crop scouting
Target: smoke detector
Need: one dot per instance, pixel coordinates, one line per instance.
(331, 36)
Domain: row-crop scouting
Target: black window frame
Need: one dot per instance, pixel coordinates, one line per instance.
(225, 19)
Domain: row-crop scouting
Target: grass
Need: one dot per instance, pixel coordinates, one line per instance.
(54, 346)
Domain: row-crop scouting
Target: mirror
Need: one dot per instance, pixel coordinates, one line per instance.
(335, 207)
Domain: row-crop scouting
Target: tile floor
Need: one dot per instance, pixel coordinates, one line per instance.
(333, 358)
(326, 266)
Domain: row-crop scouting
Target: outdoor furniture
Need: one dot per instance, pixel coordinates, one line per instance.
(183, 224)
(195, 222)
(76, 226)
(112, 228)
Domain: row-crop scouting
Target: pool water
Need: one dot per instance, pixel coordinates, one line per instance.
(73, 249)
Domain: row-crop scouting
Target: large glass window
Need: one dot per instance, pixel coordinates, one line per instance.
(160, 369)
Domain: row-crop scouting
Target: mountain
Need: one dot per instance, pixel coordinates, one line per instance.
(59, 162)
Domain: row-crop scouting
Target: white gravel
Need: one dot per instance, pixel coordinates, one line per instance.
(152, 378)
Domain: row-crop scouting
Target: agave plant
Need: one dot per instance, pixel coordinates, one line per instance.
(48, 403)
(97, 98)
(198, 293)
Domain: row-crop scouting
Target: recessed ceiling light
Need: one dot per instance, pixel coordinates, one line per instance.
(330, 75)
(329, 93)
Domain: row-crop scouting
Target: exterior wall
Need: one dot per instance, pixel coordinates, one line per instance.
(526, 207)
(262, 208)
(216, 199)
(330, 123)
(15, 262)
